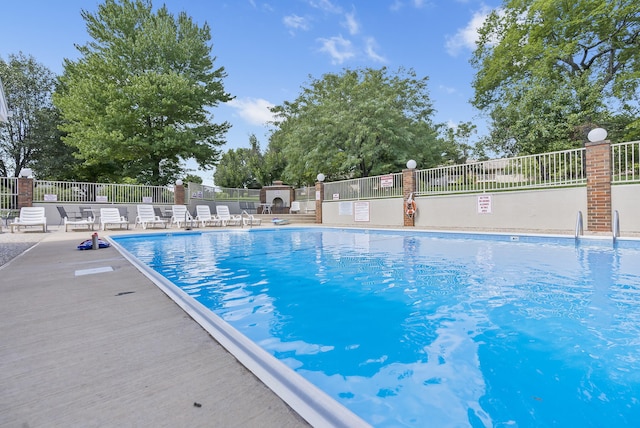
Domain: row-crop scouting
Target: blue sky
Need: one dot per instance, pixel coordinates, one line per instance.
(270, 49)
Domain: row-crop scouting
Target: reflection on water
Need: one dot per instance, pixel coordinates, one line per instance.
(411, 329)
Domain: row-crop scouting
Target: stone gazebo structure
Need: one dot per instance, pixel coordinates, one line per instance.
(278, 197)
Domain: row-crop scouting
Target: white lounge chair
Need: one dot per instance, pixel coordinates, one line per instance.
(204, 217)
(30, 216)
(111, 216)
(295, 207)
(147, 217)
(227, 219)
(89, 221)
(180, 215)
(250, 220)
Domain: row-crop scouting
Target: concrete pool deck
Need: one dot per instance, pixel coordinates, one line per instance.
(109, 348)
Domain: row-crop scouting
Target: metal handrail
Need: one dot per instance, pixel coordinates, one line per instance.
(242, 219)
(579, 225)
(189, 218)
(616, 225)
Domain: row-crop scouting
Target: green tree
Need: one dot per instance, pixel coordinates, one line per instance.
(356, 124)
(192, 178)
(31, 128)
(233, 169)
(242, 168)
(136, 102)
(457, 144)
(274, 163)
(53, 159)
(548, 71)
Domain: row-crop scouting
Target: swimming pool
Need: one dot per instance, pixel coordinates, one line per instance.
(428, 329)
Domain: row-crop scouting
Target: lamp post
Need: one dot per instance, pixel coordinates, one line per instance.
(319, 196)
(179, 193)
(597, 167)
(25, 188)
(408, 190)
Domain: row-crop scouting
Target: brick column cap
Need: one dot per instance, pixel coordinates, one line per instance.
(597, 143)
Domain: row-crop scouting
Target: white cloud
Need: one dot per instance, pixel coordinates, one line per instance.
(254, 110)
(370, 46)
(399, 4)
(466, 38)
(338, 48)
(296, 22)
(264, 6)
(447, 89)
(325, 5)
(351, 23)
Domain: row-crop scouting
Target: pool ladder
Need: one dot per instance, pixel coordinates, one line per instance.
(188, 220)
(242, 214)
(615, 226)
(579, 226)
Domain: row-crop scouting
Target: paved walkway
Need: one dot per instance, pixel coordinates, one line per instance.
(111, 350)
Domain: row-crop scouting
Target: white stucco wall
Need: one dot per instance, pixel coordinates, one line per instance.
(626, 200)
(552, 210)
(544, 210)
(382, 212)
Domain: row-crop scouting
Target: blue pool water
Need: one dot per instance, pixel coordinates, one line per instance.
(423, 329)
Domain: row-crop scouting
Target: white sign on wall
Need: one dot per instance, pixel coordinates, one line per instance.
(484, 204)
(102, 198)
(50, 198)
(361, 211)
(386, 180)
(147, 200)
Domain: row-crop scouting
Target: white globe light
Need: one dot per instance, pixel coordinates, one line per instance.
(320, 177)
(25, 173)
(412, 164)
(597, 134)
(178, 182)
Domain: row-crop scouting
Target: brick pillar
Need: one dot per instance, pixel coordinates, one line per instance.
(178, 194)
(25, 192)
(598, 170)
(408, 187)
(319, 199)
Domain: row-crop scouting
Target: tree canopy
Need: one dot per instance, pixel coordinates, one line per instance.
(135, 104)
(355, 124)
(549, 71)
(31, 127)
(241, 168)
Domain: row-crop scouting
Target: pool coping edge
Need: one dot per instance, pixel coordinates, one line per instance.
(309, 401)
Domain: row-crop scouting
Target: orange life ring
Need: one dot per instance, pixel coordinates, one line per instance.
(411, 208)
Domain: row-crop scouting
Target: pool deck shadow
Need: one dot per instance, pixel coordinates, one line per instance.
(110, 349)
